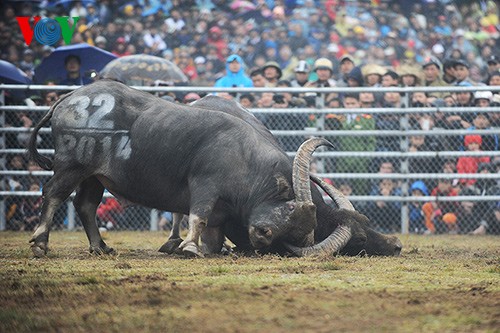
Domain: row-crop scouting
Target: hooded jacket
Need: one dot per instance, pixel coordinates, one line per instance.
(231, 79)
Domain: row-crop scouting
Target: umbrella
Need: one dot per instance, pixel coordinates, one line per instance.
(11, 74)
(242, 5)
(52, 67)
(143, 70)
(67, 3)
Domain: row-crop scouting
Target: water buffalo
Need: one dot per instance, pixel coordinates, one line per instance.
(172, 157)
(340, 230)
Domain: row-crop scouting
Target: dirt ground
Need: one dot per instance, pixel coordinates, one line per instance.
(438, 284)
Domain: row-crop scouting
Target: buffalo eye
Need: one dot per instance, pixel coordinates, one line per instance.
(291, 206)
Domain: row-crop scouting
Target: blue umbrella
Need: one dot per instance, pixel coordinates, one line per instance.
(11, 74)
(67, 3)
(52, 67)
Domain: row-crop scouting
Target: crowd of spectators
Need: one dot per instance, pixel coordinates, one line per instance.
(307, 43)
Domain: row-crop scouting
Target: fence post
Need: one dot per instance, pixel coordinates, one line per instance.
(404, 168)
(153, 222)
(3, 224)
(71, 215)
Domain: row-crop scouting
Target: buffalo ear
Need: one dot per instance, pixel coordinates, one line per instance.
(284, 188)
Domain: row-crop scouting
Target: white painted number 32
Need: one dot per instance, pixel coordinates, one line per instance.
(104, 102)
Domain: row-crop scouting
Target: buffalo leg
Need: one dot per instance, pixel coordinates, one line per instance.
(198, 218)
(57, 189)
(174, 239)
(212, 240)
(87, 199)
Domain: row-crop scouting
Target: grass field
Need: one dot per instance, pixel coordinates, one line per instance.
(438, 284)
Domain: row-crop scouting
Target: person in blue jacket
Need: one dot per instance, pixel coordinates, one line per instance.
(235, 74)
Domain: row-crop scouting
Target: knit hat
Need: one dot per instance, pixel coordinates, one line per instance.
(473, 139)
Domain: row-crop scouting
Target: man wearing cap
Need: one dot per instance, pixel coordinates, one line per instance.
(493, 64)
(301, 74)
(432, 71)
(272, 73)
(481, 121)
(323, 68)
(462, 72)
(346, 66)
(235, 74)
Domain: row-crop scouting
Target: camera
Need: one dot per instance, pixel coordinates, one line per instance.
(279, 99)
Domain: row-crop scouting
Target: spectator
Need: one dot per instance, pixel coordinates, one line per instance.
(378, 211)
(490, 224)
(493, 64)
(31, 208)
(258, 79)
(235, 74)
(355, 78)
(72, 64)
(110, 213)
(462, 72)
(324, 70)
(215, 39)
(468, 211)
(469, 164)
(409, 76)
(272, 73)
(353, 122)
(346, 66)
(372, 74)
(120, 49)
(417, 221)
(432, 71)
(440, 215)
(247, 101)
(301, 74)
(390, 79)
(449, 71)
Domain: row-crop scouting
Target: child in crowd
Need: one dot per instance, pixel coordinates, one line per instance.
(417, 220)
(469, 164)
(440, 216)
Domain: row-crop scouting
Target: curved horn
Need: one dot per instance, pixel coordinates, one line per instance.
(339, 237)
(332, 244)
(301, 164)
(337, 196)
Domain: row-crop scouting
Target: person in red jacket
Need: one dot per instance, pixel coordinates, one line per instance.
(469, 164)
(108, 212)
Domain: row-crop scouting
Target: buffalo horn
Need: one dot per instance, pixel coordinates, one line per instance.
(334, 193)
(339, 237)
(301, 163)
(332, 244)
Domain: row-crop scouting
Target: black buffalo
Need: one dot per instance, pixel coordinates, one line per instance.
(340, 230)
(172, 157)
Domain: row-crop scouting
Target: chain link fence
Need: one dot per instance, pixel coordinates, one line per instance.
(408, 167)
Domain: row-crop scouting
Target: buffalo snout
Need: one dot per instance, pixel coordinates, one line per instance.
(260, 237)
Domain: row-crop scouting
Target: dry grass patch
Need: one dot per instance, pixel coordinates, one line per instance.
(438, 284)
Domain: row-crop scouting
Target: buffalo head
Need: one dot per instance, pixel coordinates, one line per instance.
(295, 219)
(347, 232)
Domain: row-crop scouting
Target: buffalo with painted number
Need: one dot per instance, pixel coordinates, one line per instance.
(340, 230)
(172, 157)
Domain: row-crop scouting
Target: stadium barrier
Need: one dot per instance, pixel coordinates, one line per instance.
(292, 126)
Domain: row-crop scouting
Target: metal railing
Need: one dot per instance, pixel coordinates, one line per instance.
(403, 133)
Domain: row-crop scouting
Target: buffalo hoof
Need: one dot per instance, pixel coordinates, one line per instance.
(99, 250)
(190, 250)
(39, 250)
(171, 246)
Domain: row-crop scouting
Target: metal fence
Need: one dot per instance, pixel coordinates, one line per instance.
(398, 165)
